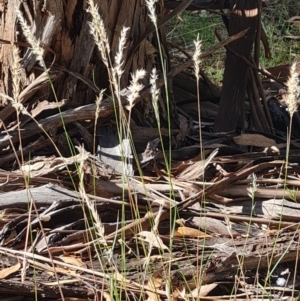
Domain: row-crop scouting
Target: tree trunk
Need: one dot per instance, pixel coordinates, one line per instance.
(63, 26)
(244, 14)
(75, 64)
(72, 42)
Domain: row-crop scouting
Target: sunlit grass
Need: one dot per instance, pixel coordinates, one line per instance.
(284, 49)
(184, 29)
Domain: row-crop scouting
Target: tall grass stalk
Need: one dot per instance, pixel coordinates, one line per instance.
(292, 102)
(197, 63)
(155, 93)
(98, 31)
(38, 52)
(16, 90)
(115, 71)
(122, 118)
(151, 5)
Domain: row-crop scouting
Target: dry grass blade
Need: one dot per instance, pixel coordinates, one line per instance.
(226, 182)
(44, 263)
(261, 192)
(40, 82)
(197, 169)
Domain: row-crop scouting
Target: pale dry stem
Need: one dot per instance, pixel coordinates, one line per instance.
(197, 62)
(91, 204)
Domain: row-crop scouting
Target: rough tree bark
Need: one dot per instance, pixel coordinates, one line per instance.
(244, 14)
(75, 66)
(63, 27)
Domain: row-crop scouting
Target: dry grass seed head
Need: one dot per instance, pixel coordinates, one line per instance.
(35, 44)
(151, 7)
(153, 81)
(293, 86)
(97, 29)
(98, 101)
(196, 56)
(15, 70)
(155, 92)
(17, 105)
(135, 87)
(119, 55)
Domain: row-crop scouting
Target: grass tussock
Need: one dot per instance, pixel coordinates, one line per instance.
(116, 252)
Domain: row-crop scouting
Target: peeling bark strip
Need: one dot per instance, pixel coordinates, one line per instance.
(248, 13)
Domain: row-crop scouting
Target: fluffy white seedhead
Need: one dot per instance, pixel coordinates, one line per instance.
(135, 87)
(119, 55)
(35, 44)
(153, 81)
(196, 56)
(97, 29)
(155, 92)
(151, 7)
(293, 85)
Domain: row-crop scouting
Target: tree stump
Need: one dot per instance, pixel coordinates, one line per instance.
(75, 64)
